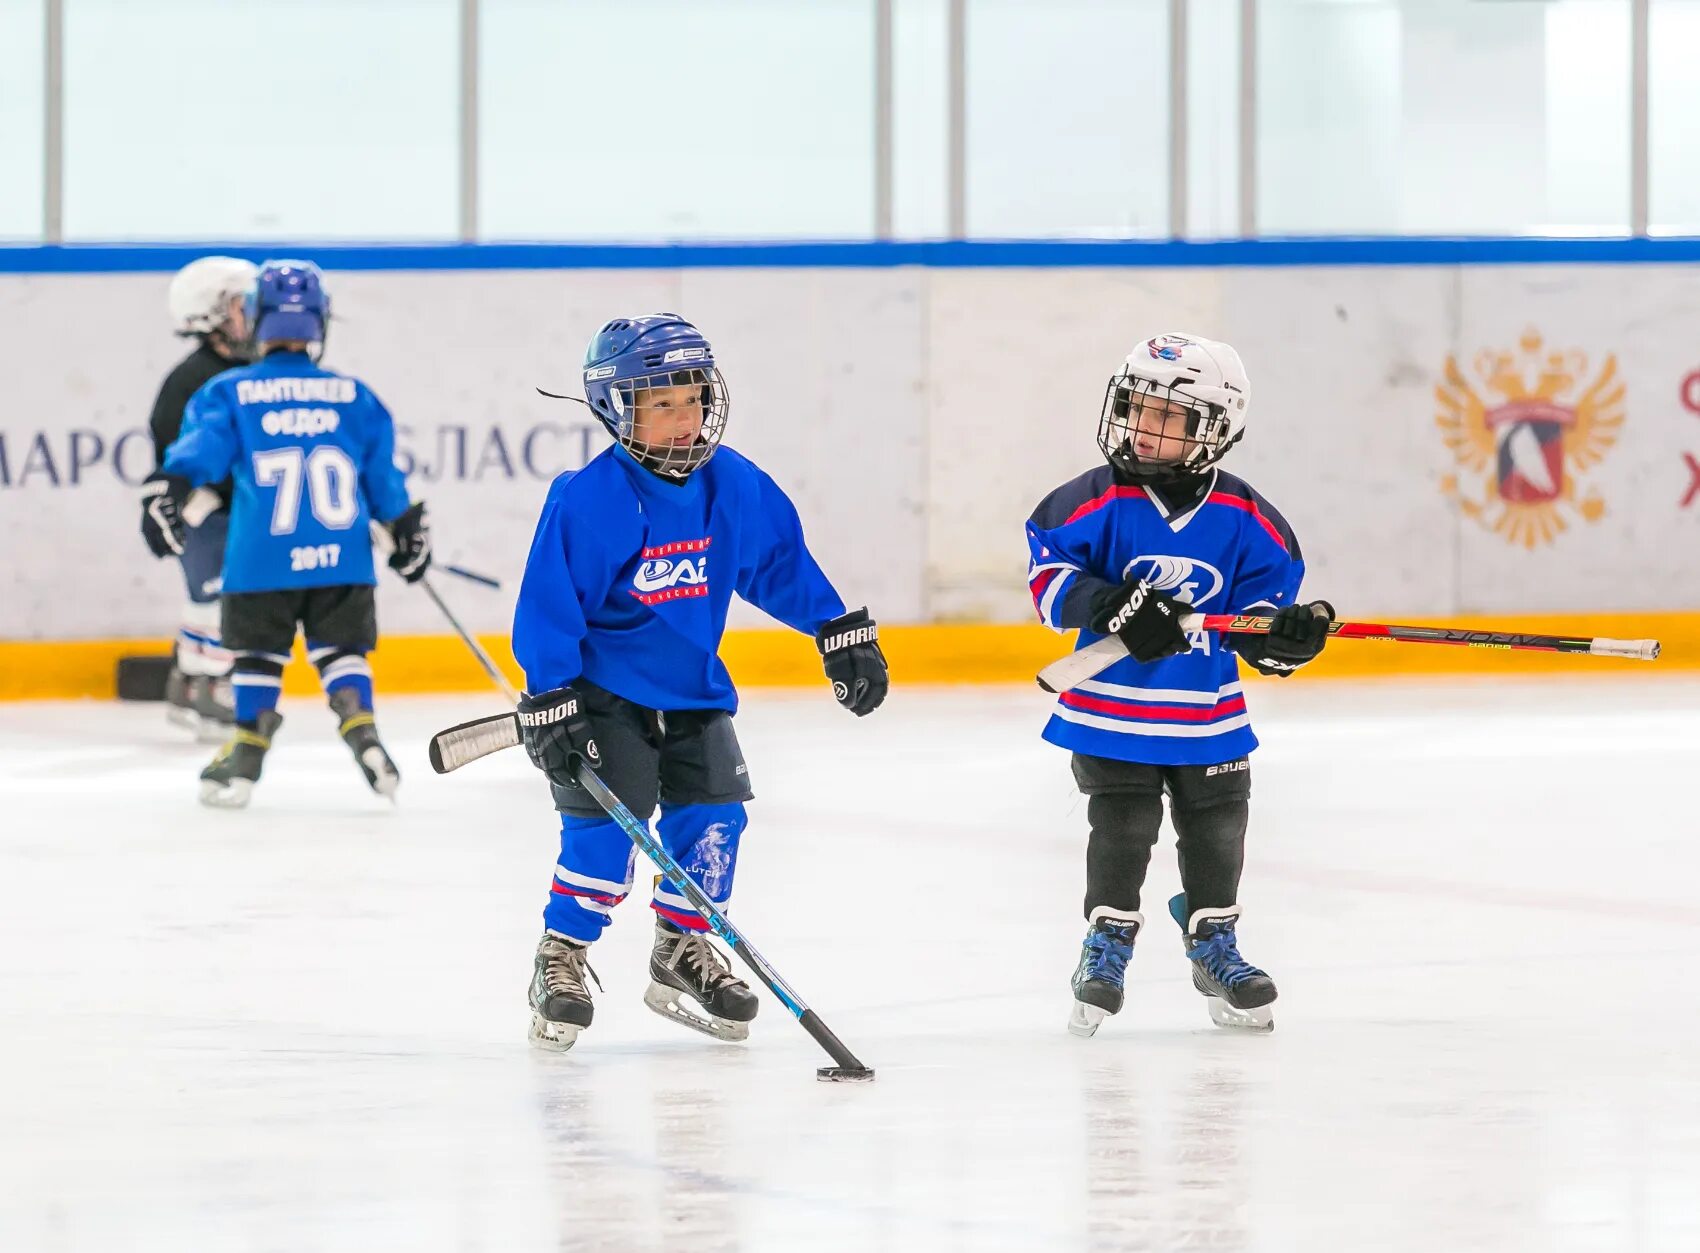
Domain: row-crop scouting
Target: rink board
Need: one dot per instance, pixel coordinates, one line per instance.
(918, 401)
(37, 670)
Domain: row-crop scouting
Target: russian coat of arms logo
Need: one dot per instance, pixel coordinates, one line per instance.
(1530, 421)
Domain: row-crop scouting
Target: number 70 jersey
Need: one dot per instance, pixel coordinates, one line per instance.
(312, 455)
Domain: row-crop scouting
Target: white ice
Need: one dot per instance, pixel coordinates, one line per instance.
(302, 1026)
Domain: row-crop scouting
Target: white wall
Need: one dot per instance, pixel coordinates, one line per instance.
(916, 415)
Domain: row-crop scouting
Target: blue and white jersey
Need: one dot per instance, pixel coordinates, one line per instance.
(630, 577)
(1223, 550)
(312, 454)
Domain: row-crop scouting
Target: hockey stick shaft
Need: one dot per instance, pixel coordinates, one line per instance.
(640, 834)
(490, 668)
(1075, 669)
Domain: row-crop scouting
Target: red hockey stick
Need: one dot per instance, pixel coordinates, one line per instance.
(1076, 668)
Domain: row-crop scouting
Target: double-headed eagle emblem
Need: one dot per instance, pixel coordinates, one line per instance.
(1533, 437)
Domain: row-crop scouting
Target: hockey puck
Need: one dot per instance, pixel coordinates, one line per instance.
(845, 1074)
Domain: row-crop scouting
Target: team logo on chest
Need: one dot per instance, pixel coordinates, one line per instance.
(674, 571)
(1187, 579)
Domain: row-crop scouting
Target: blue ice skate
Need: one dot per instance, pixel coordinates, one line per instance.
(1237, 993)
(1102, 971)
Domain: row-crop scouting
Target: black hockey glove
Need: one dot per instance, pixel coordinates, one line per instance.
(163, 498)
(850, 651)
(1296, 635)
(556, 729)
(1147, 621)
(412, 533)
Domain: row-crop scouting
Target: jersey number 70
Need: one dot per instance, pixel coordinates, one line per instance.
(331, 486)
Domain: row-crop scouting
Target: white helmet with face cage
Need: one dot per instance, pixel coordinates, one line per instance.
(1204, 376)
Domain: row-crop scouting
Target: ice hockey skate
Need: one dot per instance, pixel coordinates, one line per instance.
(360, 732)
(201, 704)
(1238, 994)
(686, 965)
(228, 782)
(179, 705)
(214, 707)
(560, 1000)
(1102, 972)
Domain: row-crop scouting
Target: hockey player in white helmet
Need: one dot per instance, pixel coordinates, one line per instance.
(1127, 549)
(206, 303)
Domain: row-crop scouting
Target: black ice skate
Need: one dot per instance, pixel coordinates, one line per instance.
(179, 704)
(686, 963)
(229, 781)
(1237, 993)
(214, 707)
(360, 732)
(1102, 972)
(560, 1001)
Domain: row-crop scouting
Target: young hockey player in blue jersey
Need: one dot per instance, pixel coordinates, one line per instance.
(311, 453)
(206, 300)
(1128, 549)
(619, 620)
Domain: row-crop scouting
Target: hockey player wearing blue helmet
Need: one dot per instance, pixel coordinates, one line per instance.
(618, 626)
(312, 456)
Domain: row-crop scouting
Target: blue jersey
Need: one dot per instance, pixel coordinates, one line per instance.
(630, 577)
(312, 455)
(1223, 550)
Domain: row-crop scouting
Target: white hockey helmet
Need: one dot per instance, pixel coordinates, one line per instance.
(201, 292)
(1204, 376)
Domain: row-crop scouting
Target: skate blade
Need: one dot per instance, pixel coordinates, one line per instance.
(1261, 1019)
(1084, 1020)
(556, 1037)
(380, 772)
(231, 795)
(183, 716)
(664, 999)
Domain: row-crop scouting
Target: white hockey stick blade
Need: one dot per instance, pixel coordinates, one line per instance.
(203, 502)
(1073, 670)
(1642, 650)
(466, 743)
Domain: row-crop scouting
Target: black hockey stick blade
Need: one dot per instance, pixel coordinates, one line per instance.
(472, 576)
(461, 745)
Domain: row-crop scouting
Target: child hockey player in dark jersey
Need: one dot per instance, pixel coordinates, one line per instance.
(1129, 549)
(617, 627)
(206, 299)
(312, 455)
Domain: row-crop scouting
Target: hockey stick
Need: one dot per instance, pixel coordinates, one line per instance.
(466, 743)
(469, 575)
(847, 1067)
(455, 747)
(496, 676)
(384, 543)
(1076, 668)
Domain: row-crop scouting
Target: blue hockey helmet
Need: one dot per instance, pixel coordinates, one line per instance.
(636, 371)
(289, 301)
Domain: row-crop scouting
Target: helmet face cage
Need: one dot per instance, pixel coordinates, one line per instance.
(1206, 440)
(664, 420)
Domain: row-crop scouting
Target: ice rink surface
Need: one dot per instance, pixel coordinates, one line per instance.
(302, 1026)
